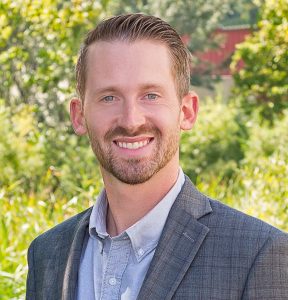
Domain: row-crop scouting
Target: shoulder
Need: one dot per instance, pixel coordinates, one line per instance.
(235, 237)
(228, 226)
(62, 231)
(237, 234)
(219, 216)
(224, 216)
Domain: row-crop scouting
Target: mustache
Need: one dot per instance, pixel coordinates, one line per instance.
(122, 131)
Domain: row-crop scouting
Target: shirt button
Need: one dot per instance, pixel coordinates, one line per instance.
(140, 252)
(112, 281)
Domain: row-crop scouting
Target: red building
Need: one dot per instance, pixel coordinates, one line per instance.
(220, 58)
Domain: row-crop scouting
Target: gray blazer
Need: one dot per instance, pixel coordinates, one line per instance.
(206, 251)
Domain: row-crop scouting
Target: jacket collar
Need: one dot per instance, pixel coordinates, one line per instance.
(71, 271)
(180, 241)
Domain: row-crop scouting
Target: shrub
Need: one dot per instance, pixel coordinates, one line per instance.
(46, 176)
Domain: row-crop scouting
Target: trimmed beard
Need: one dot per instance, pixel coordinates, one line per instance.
(135, 170)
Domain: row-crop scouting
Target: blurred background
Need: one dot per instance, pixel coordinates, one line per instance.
(236, 153)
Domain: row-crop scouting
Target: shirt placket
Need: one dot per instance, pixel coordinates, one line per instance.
(116, 264)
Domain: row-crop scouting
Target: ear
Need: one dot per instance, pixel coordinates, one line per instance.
(77, 117)
(189, 110)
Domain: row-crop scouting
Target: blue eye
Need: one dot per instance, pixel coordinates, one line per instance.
(108, 98)
(151, 96)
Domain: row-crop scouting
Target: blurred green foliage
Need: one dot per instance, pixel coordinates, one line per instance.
(242, 12)
(39, 41)
(240, 160)
(218, 142)
(264, 79)
(46, 176)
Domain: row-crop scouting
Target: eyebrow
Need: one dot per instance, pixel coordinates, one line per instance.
(151, 86)
(105, 90)
(142, 87)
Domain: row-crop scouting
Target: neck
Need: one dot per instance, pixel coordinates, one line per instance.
(129, 203)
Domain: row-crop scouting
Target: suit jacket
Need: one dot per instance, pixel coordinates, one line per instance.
(206, 251)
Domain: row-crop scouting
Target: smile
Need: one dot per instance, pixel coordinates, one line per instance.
(134, 145)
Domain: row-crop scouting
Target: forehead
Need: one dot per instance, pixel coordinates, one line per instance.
(119, 51)
(130, 61)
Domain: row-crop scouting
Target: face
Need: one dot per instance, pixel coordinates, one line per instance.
(131, 111)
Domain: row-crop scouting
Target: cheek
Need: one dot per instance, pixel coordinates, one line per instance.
(166, 122)
(97, 119)
(101, 113)
(95, 130)
(168, 114)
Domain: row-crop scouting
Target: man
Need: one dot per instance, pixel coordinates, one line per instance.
(151, 234)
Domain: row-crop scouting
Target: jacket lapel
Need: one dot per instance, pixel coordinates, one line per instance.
(73, 259)
(179, 243)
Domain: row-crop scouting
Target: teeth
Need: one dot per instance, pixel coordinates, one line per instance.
(135, 145)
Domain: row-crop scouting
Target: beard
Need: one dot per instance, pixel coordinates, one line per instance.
(135, 170)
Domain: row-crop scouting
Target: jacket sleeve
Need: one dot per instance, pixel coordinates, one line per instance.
(30, 284)
(268, 276)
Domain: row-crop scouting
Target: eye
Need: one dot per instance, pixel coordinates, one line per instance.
(108, 98)
(151, 96)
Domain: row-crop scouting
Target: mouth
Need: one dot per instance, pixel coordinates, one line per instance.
(134, 145)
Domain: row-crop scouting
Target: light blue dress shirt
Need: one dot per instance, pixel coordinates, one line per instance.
(115, 267)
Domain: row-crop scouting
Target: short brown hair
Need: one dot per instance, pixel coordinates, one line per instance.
(132, 27)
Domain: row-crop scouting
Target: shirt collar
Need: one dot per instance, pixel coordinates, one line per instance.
(97, 222)
(145, 233)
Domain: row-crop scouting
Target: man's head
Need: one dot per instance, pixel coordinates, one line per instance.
(133, 79)
(135, 27)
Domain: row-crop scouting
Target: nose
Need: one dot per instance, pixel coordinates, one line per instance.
(132, 115)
